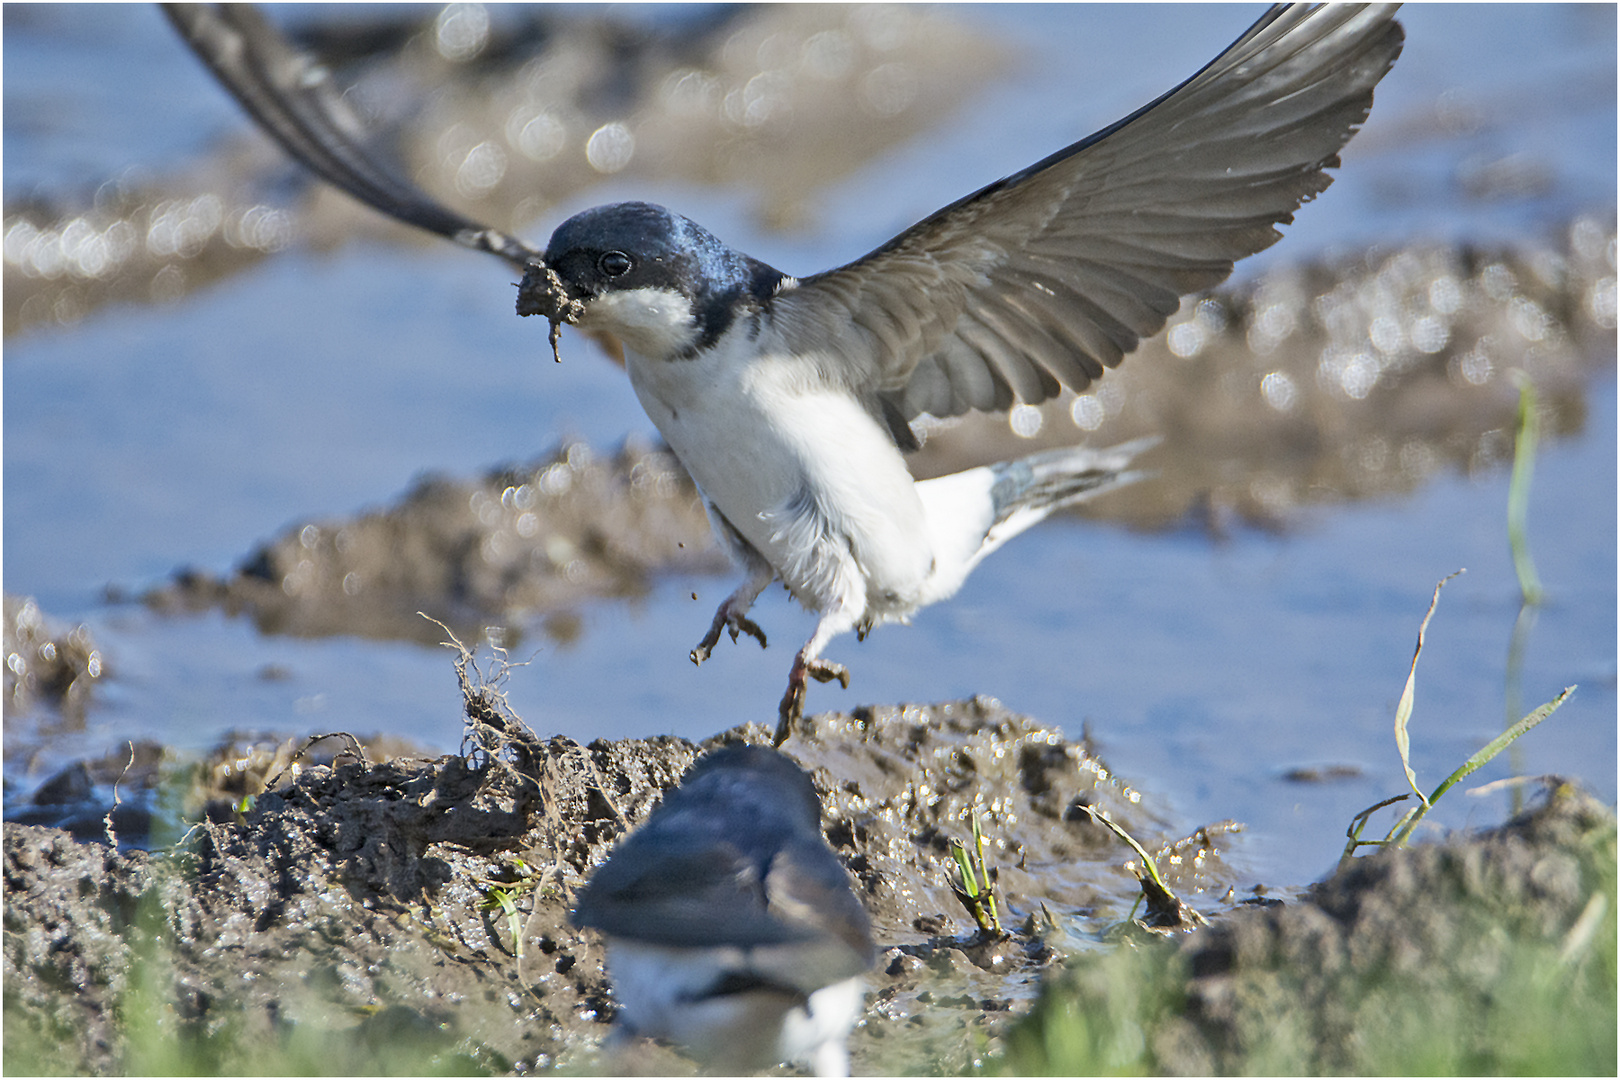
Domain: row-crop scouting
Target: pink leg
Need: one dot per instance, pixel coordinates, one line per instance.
(808, 665)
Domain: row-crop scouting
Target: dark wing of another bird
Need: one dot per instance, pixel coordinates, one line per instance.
(677, 892)
(1044, 279)
(664, 887)
(292, 98)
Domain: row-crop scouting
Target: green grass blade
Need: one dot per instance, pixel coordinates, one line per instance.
(1526, 433)
(1501, 742)
(984, 868)
(1403, 711)
(1485, 754)
(1099, 815)
(970, 880)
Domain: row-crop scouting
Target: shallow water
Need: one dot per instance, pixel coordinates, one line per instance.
(147, 436)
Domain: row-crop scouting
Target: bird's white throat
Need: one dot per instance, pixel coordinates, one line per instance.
(657, 323)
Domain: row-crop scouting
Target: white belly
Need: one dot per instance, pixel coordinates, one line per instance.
(663, 992)
(804, 473)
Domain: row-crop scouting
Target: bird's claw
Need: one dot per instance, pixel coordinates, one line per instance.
(827, 671)
(748, 626)
(791, 711)
(792, 707)
(724, 621)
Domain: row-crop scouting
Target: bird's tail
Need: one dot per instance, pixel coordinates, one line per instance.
(973, 513)
(1025, 491)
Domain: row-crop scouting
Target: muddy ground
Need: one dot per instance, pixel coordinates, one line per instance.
(343, 921)
(354, 895)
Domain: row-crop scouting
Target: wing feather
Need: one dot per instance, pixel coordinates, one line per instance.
(1046, 278)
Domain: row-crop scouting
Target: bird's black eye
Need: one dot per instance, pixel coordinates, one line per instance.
(614, 264)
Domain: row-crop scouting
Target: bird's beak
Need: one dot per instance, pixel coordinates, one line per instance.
(542, 292)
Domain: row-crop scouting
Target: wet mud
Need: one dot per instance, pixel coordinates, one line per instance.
(355, 896)
(47, 666)
(542, 538)
(1440, 931)
(348, 919)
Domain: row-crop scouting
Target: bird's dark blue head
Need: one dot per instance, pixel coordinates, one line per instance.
(670, 287)
(754, 784)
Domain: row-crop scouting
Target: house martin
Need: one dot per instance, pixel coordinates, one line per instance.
(730, 925)
(790, 400)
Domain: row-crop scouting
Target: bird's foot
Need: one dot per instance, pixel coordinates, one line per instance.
(827, 671)
(727, 620)
(791, 710)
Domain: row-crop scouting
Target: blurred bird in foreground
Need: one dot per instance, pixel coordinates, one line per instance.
(730, 924)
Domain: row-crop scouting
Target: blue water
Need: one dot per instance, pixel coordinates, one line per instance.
(147, 437)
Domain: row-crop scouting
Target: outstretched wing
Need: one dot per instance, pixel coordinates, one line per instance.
(292, 98)
(1046, 278)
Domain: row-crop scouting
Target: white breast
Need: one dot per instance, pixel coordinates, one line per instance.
(806, 474)
(663, 992)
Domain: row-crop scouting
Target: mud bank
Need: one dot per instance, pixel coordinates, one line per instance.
(345, 921)
(1486, 955)
(349, 922)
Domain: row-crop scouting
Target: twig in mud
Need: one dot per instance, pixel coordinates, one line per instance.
(494, 730)
(492, 726)
(355, 747)
(107, 820)
(1551, 781)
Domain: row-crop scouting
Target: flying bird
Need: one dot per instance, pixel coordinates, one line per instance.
(790, 400)
(730, 924)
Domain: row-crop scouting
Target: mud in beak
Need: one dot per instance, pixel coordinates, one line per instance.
(542, 292)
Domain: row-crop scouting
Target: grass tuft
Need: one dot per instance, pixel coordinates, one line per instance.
(977, 891)
(1401, 832)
